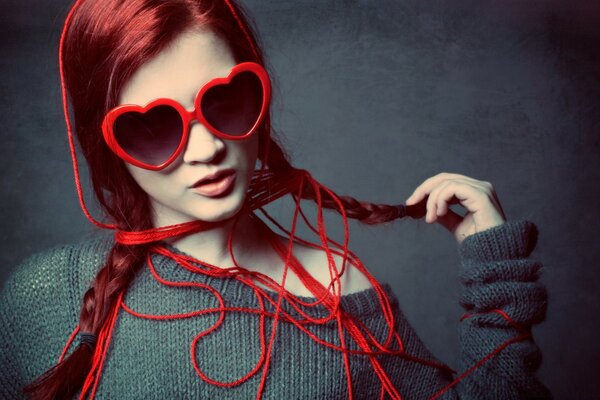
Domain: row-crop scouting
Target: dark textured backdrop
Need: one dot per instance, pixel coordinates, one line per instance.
(373, 97)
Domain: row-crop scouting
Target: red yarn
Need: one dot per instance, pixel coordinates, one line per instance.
(69, 129)
(242, 27)
(329, 297)
(265, 188)
(100, 352)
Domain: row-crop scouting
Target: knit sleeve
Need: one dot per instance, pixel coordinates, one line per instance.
(35, 318)
(499, 279)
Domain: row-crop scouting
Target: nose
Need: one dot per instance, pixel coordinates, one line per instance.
(202, 146)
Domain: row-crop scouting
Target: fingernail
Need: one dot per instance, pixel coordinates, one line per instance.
(409, 200)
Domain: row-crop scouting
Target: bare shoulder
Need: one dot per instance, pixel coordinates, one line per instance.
(316, 263)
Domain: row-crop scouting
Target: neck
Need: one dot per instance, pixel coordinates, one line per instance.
(211, 245)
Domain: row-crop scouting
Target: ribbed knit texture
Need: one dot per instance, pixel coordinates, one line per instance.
(148, 359)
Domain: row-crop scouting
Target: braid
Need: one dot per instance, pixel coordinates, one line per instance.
(123, 262)
(365, 212)
(65, 378)
(103, 51)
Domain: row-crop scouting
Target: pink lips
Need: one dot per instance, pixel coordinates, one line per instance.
(213, 188)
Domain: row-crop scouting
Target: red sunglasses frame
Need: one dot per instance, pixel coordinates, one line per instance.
(187, 116)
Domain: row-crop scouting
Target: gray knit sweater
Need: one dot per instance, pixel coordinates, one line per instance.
(149, 359)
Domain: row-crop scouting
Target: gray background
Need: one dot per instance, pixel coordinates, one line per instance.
(373, 97)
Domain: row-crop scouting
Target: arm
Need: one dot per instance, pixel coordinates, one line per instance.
(500, 290)
(11, 370)
(16, 306)
(496, 273)
(35, 318)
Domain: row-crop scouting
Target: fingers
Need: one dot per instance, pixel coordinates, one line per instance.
(449, 192)
(445, 189)
(429, 184)
(477, 197)
(450, 220)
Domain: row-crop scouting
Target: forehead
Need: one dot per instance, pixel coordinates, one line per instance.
(192, 59)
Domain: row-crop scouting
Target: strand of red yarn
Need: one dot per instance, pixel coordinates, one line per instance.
(68, 122)
(368, 343)
(100, 352)
(523, 335)
(265, 188)
(242, 27)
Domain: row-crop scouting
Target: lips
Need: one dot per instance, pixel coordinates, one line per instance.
(215, 185)
(213, 177)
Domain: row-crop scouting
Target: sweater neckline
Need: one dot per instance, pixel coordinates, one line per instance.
(362, 303)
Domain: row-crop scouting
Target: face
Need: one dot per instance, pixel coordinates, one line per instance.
(178, 72)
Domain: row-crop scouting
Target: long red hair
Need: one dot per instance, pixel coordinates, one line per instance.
(104, 44)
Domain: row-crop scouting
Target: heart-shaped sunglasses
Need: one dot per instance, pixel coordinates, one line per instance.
(153, 136)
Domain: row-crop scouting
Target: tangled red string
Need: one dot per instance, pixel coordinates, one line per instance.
(329, 297)
(265, 188)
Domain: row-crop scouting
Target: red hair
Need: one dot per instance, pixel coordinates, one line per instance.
(104, 44)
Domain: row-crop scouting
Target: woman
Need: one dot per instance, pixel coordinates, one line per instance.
(196, 296)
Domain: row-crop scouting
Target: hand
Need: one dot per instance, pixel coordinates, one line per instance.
(478, 197)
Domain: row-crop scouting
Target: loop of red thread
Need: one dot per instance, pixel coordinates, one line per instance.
(69, 341)
(288, 258)
(387, 311)
(264, 188)
(68, 122)
(320, 292)
(249, 374)
(242, 27)
(71, 141)
(242, 277)
(288, 319)
(263, 193)
(362, 336)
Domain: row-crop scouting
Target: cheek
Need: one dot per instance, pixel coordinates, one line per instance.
(151, 182)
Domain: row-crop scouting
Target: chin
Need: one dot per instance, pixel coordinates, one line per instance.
(209, 210)
(221, 215)
(219, 209)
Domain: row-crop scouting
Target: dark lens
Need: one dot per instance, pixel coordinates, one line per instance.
(234, 108)
(151, 137)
